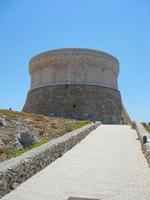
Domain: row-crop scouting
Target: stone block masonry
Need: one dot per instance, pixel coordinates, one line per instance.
(76, 83)
(15, 171)
(76, 101)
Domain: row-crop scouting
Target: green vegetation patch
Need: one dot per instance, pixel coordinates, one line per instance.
(73, 126)
(11, 153)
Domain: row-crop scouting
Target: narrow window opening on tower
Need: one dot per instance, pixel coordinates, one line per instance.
(66, 85)
(74, 106)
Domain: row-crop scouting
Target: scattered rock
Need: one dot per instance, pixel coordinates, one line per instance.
(16, 144)
(28, 120)
(14, 185)
(3, 184)
(27, 138)
(3, 122)
(18, 123)
(1, 143)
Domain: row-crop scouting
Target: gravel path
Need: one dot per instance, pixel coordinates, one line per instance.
(108, 164)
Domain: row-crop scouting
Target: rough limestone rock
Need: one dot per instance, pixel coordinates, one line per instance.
(3, 122)
(16, 144)
(26, 138)
(19, 123)
(14, 185)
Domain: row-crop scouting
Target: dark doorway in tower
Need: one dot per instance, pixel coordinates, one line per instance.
(74, 106)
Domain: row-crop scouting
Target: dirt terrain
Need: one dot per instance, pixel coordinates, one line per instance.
(44, 128)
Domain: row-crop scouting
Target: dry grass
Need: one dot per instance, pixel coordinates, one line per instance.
(47, 128)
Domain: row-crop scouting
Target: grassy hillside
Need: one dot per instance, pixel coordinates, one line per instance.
(46, 129)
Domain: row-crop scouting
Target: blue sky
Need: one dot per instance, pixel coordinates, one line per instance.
(119, 27)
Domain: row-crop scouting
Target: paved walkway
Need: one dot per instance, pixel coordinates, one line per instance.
(108, 164)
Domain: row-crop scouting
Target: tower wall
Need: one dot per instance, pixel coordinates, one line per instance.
(75, 83)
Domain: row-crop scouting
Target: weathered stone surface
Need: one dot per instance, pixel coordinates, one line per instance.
(125, 119)
(14, 185)
(76, 83)
(3, 122)
(76, 101)
(16, 144)
(15, 171)
(26, 138)
(74, 66)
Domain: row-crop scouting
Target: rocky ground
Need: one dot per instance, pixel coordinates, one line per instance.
(21, 131)
(147, 126)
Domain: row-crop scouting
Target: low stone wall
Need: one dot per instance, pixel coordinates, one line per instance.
(15, 171)
(145, 147)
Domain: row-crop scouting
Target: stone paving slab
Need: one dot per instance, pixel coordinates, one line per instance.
(108, 164)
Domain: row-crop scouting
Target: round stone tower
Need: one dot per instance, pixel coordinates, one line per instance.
(75, 83)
